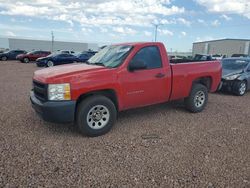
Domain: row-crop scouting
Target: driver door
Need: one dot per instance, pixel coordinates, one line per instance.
(149, 85)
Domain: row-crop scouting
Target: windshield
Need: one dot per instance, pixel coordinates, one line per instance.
(234, 64)
(110, 56)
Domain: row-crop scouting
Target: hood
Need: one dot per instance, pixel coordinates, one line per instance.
(42, 58)
(227, 72)
(64, 70)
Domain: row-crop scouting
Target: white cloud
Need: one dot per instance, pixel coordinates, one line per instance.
(183, 33)
(166, 32)
(227, 18)
(241, 7)
(94, 12)
(147, 33)
(10, 34)
(124, 30)
(184, 21)
(201, 21)
(215, 23)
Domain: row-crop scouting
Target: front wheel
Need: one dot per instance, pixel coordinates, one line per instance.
(26, 60)
(197, 99)
(4, 58)
(240, 88)
(50, 64)
(96, 115)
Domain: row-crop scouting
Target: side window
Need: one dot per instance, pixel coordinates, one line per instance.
(150, 56)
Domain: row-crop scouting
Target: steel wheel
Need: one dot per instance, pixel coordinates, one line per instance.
(98, 117)
(50, 64)
(199, 99)
(242, 88)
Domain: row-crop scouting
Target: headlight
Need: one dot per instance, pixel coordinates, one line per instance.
(58, 92)
(233, 77)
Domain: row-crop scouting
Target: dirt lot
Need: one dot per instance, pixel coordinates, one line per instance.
(159, 146)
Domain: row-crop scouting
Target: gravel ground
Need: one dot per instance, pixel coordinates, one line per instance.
(157, 146)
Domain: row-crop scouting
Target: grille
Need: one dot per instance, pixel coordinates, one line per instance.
(40, 90)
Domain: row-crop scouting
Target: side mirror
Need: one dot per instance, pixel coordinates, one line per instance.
(137, 65)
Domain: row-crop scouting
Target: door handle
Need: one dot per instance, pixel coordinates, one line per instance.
(159, 75)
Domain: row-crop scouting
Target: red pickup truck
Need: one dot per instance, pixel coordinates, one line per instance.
(117, 78)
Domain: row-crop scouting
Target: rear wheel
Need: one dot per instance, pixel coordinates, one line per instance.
(96, 115)
(50, 64)
(240, 88)
(197, 99)
(26, 60)
(4, 58)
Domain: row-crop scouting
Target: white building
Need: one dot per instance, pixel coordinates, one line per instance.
(31, 44)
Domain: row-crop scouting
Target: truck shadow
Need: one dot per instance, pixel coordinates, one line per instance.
(128, 115)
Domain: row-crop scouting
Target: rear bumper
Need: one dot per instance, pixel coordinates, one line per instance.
(57, 112)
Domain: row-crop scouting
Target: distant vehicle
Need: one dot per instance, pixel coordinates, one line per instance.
(84, 56)
(56, 59)
(235, 75)
(2, 50)
(11, 54)
(66, 52)
(217, 57)
(203, 57)
(32, 56)
(239, 55)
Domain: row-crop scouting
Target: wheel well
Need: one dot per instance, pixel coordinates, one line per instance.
(206, 81)
(109, 93)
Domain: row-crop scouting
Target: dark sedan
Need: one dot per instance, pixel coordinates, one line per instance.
(56, 59)
(11, 54)
(85, 56)
(236, 75)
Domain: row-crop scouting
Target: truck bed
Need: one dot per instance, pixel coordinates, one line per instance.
(185, 73)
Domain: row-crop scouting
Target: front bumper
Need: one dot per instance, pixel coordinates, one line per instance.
(40, 63)
(57, 112)
(228, 85)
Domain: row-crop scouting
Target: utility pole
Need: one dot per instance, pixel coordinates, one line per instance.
(52, 41)
(156, 30)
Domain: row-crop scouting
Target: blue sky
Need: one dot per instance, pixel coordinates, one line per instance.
(113, 21)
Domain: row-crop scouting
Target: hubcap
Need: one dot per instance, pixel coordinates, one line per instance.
(243, 88)
(50, 64)
(98, 117)
(199, 99)
(4, 58)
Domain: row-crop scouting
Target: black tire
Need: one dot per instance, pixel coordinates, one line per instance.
(4, 58)
(26, 60)
(238, 88)
(194, 104)
(84, 111)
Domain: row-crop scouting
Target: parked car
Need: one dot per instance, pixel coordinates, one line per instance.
(217, 57)
(11, 54)
(32, 56)
(117, 78)
(66, 52)
(239, 55)
(56, 59)
(202, 57)
(84, 56)
(236, 75)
